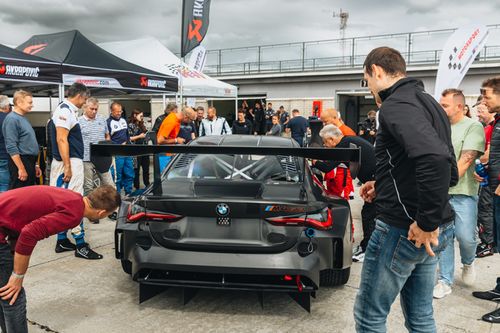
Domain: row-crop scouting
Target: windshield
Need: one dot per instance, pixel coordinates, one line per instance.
(235, 167)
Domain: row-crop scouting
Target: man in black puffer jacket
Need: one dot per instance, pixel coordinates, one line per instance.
(415, 166)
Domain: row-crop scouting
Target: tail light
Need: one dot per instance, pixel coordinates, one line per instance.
(321, 220)
(137, 213)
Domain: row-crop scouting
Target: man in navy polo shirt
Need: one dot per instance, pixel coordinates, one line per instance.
(66, 169)
(298, 126)
(118, 129)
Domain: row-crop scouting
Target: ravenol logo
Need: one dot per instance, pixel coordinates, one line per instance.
(222, 209)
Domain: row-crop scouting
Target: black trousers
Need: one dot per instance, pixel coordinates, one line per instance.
(29, 162)
(142, 162)
(368, 214)
(485, 217)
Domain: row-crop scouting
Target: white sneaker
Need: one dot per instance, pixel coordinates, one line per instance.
(357, 250)
(359, 257)
(441, 290)
(469, 274)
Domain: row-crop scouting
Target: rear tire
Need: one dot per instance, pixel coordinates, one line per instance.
(126, 266)
(334, 277)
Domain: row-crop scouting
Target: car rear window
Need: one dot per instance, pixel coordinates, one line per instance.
(235, 167)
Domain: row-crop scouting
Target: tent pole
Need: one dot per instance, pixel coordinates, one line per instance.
(236, 108)
(182, 82)
(164, 102)
(61, 92)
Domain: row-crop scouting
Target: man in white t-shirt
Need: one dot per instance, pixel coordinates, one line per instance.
(66, 169)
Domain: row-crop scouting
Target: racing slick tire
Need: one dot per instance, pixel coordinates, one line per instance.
(334, 277)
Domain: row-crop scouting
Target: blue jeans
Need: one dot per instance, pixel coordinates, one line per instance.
(394, 265)
(124, 173)
(12, 317)
(4, 175)
(163, 161)
(465, 208)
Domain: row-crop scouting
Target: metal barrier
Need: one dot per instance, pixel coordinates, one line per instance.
(418, 48)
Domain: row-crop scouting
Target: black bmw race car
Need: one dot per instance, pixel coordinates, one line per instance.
(235, 212)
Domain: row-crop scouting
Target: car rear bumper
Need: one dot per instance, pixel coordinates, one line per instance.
(223, 270)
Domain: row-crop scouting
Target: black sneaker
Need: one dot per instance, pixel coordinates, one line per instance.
(492, 317)
(484, 250)
(64, 245)
(113, 216)
(490, 295)
(86, 252)
(94, 221)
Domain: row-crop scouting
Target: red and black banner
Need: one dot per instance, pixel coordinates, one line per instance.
(29, 71)
(195, 18)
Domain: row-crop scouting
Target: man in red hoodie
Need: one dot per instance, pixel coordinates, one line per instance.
(30, 214)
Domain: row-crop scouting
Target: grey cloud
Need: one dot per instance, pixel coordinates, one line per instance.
(235, 23)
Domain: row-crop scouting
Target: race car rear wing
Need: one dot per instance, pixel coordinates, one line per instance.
(101, 153)
(323, 154)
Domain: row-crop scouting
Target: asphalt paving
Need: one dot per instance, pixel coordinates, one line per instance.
(71, 295)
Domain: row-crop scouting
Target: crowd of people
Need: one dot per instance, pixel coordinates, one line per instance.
(420, 181)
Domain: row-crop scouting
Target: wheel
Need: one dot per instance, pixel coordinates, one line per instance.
(126, 266)
(334, 277)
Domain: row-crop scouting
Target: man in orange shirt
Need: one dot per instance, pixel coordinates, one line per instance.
(169, 129)
(331, 117)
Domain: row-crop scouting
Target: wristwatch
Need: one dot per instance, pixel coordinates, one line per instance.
(17, 276)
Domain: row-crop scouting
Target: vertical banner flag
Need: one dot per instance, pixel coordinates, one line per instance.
(198, 58)
(458, 54)
(195, 15)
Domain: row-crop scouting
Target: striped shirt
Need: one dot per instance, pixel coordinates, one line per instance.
(93, 131)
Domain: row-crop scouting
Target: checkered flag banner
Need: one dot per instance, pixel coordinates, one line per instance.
(458, 54)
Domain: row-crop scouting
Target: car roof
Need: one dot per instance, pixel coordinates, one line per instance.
(245, 140)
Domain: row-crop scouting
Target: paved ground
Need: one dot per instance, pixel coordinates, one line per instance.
(66, 294)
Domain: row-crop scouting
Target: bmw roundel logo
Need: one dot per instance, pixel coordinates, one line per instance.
(222, 209)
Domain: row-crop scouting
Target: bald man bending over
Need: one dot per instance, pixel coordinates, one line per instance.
(332, 117)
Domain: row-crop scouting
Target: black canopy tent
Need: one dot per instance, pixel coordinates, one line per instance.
(85, 62)
(23, 71)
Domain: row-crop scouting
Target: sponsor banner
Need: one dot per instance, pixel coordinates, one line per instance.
(458, 54)
(198, 58)
(91, 81)
(29, 71)
(98, 78)
(195, 19)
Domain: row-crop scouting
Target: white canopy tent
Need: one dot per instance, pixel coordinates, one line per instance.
(150, 53)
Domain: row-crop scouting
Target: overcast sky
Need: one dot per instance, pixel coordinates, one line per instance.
(236, 22)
